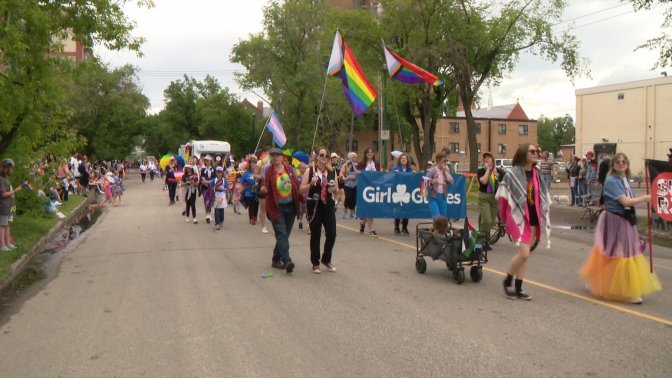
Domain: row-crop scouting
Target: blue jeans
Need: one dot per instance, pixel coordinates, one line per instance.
(219, 216)
(438, 206)
(547, 180)
(282, 227)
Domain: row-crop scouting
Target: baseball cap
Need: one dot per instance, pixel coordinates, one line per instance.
(219, 169)
(488, 153)
(275, 151)
(8, 162)
(334, 155)
(590, 153)
(207, 157)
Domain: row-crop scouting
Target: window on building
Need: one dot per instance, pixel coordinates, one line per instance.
(522, 129)
(501, 129)
(455, 147)
(478, 147)
(352, 147)
(501, 148)
(477, 126)
(453, 127)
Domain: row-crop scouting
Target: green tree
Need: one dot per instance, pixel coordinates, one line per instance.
(662, 43)
(485, 41)
(554, 132)
(108, 109)
(33, 117)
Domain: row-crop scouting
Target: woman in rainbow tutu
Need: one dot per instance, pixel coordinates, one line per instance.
(616, 268)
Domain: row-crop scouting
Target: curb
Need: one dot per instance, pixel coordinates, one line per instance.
(20, 265)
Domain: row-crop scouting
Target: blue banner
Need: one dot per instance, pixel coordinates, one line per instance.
(398, 195)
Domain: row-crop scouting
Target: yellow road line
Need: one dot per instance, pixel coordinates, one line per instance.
(551, 288)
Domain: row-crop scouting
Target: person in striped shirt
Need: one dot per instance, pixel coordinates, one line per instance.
(546, 168)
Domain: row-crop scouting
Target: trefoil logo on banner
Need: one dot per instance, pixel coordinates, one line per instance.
(373, 194)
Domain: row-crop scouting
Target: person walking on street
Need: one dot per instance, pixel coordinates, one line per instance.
(524, 203)
(439, 178)
(616, 268)
(259, 178)
(283, 205)
(489, 178)
(190, 191)
(219, 187)
(151, 167)
(249, 188)
(143, 170)
(573, 172)
(83, 176)
(403, 165)
(170, 180)
(207, 174)
(349, 173)
(546, 168)
(320, 182)
(368, 164)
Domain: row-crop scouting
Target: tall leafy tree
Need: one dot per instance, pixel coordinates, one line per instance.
(663, 42)
(554, 132)
(108, 109)
(485, 41)
(33, 117)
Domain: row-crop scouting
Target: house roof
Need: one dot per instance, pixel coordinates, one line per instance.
(510, 111)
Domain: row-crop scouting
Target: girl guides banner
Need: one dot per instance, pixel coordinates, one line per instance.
(399, 195)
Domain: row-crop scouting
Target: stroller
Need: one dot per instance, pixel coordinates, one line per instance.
(457, 248)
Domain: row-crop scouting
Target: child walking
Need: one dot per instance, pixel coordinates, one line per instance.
(220, 186)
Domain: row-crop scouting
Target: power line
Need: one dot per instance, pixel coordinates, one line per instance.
(604, 19)
(590, 14)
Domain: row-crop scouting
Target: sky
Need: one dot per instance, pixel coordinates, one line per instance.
(196, 37)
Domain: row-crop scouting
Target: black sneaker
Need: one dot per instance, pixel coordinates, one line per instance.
(373, 233)
(361, 228)
(278, 265)
(405, 231)
(397, 232)
(523, 295)
(289, 267)
(509, 291)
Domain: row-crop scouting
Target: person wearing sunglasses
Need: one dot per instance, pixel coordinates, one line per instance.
(616, 268)
(524, 202)
(320, 182)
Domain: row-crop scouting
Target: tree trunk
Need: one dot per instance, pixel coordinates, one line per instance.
(472, 146)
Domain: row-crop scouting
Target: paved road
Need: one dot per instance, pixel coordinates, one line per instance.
(147, 295)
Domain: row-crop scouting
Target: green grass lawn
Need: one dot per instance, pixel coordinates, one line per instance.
(27, 231)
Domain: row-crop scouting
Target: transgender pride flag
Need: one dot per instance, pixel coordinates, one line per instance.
(273, 125)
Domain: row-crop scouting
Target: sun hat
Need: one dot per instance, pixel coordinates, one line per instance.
(334, 155)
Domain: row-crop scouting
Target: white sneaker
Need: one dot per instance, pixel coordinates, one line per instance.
(187, 219)
(195, 221)
(11, 246)
(5, 249)
(636, 301)
(264, 230)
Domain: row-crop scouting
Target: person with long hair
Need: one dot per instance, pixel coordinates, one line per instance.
(439, 178)
(368, 164)
(206, 177)
(524, 203)
(249, 189)
(190, 191)
(616, 268)
(349, 173)
(403, 165)
(170, 180)
(320, 182)
(283, 206)
(488, 181)
(219, 187)
(259, 177)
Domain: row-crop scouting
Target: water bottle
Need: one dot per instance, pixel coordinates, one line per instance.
(267, 275)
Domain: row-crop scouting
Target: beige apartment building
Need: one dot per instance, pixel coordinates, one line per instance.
(636, 116)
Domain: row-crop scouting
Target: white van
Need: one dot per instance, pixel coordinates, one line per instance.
(504, 163)
(200, 148)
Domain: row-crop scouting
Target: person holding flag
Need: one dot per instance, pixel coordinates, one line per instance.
(616, 268)
(524, 203)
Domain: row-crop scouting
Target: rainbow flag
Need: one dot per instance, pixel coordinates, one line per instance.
(275, 128)
(357, 89)
(407, 72)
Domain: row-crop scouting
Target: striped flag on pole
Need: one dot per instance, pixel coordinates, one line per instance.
(275, 128)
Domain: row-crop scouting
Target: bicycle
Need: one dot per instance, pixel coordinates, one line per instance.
(496, 232)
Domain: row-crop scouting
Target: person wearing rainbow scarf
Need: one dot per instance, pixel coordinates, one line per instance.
(488, 179)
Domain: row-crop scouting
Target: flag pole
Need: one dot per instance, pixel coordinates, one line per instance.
(648, 212)
(319, 113)
(262, 132)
